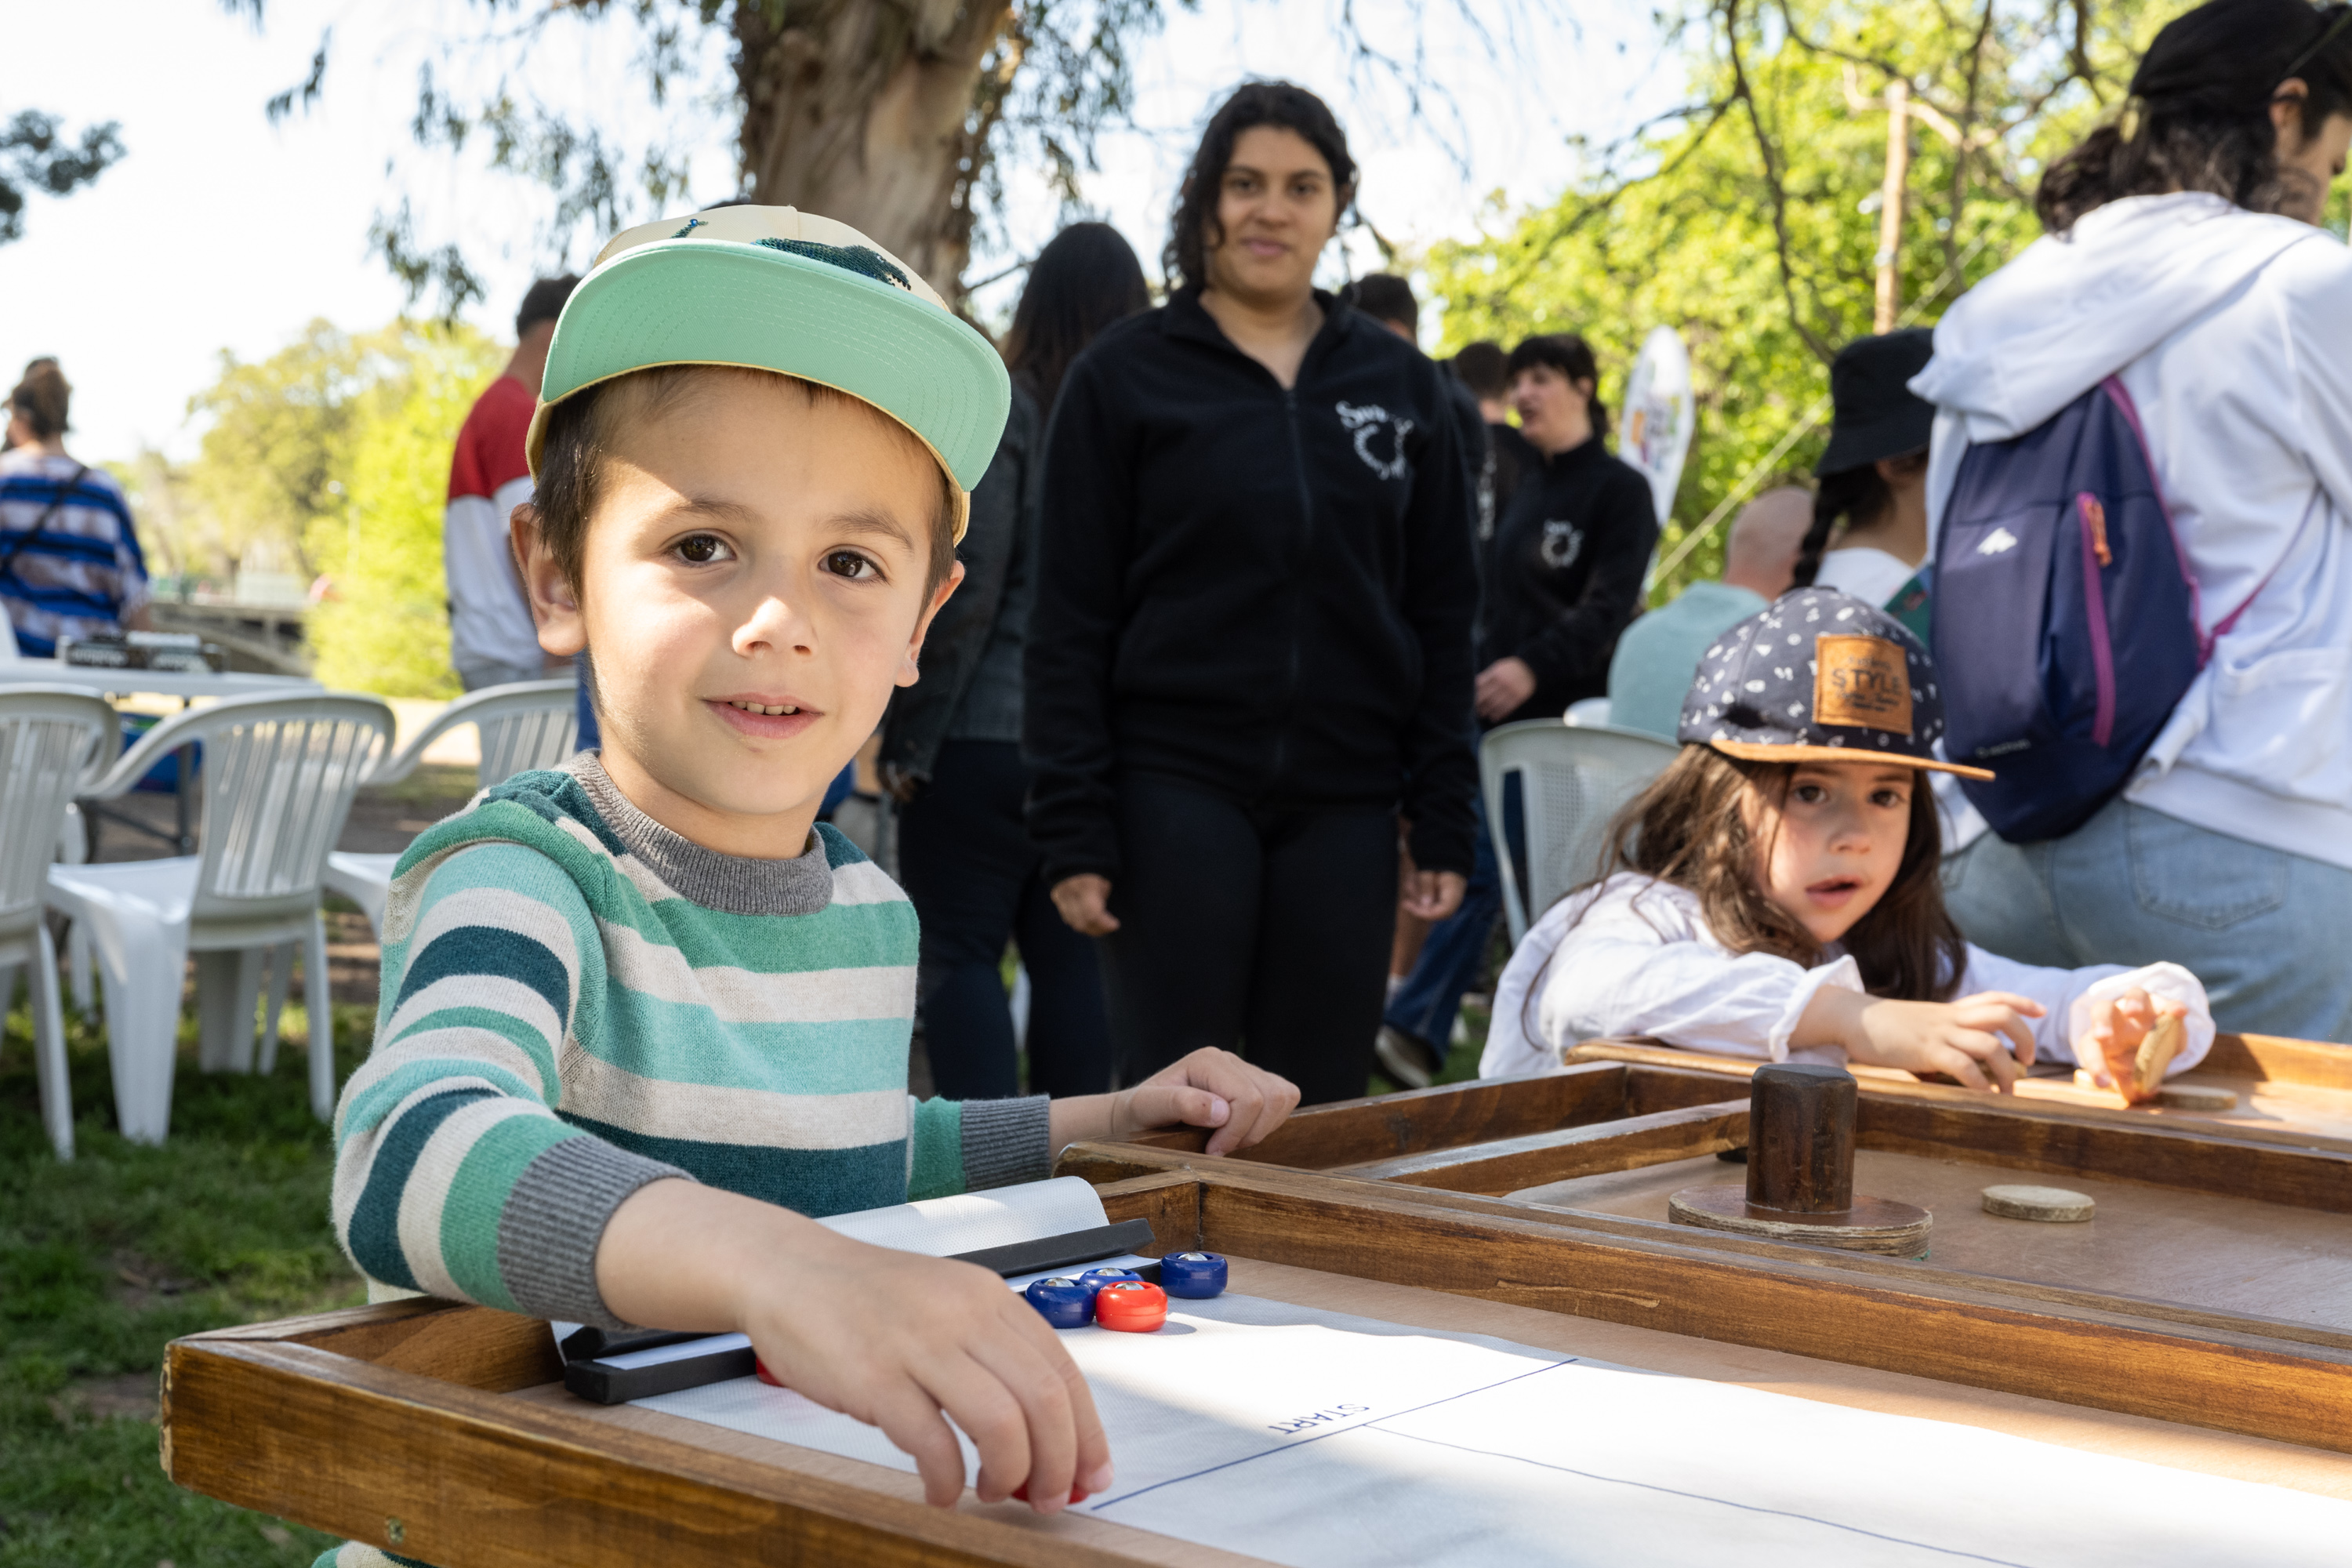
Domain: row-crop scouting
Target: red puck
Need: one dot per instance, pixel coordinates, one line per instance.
(1131, 1306)
(1020, 1494)
(769, 1378)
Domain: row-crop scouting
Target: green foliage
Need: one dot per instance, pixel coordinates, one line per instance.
(333, 455)
(1748, 221)
(385, 626)
(105, 1260)
(274, 452)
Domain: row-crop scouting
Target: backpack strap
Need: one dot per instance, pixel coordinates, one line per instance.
(2114, 387)
(64, 493)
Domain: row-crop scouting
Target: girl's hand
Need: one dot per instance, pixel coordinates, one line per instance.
(1983, 1041)
(2109, 1048)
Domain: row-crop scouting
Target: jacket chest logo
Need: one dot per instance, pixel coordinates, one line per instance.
(1563, 541)
(1380, 437)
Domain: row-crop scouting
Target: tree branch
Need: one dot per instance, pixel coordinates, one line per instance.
(1746, 96)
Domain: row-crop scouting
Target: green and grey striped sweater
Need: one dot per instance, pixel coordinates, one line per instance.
(578, 1001)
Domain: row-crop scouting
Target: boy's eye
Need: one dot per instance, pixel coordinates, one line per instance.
(701, 549)
(849, 563)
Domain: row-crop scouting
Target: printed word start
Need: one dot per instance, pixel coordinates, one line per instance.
(1318, 1418)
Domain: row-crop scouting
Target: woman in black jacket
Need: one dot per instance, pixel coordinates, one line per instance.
(1251, 650)
(951, 748)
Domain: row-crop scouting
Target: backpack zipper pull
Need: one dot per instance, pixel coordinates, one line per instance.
(2095, 516)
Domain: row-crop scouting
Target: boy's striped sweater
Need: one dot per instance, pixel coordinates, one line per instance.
(577, 1001)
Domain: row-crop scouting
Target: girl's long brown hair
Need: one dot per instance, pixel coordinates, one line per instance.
(1690, 827)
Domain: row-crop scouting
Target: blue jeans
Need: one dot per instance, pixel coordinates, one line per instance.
(2261, 927)
(1450, 962)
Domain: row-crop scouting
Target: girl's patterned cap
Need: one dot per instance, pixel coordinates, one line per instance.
(1819, 676)
(777, 288)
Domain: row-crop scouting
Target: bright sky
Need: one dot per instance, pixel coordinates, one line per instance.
(219, 231)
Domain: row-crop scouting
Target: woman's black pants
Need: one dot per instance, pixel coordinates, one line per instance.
(1263, 930)
(966, 862)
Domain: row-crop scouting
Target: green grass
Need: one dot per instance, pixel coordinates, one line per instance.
(105, 1260)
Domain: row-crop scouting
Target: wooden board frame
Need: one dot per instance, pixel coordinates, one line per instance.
(1500, 1135)
(385, 1424)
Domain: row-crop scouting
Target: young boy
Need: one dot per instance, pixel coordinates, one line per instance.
(635, 1013)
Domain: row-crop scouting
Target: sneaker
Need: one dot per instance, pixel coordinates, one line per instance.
(1408, 1058)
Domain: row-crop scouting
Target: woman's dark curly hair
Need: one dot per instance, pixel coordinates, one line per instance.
(1192, 224)
(2198, 115)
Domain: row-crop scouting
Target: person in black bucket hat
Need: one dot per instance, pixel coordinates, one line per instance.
(1870, 512)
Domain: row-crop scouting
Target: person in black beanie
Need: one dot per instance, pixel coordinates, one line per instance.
(1870, 512)
(1251, 649)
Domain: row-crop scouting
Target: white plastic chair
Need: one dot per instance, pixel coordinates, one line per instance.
(529, 724)
(50, 736)
(1573, 780)
(278, 774)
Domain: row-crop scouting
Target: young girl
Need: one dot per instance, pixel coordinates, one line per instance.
(1775, 892)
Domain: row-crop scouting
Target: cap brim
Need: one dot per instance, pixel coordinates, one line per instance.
(724, 302)
(1755, 752)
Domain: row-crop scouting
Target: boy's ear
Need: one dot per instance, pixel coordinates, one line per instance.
(555, 607)
(909, 673)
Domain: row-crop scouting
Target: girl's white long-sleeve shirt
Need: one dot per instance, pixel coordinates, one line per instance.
(1634, 956)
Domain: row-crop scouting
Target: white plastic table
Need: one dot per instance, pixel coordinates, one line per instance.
(182, 684)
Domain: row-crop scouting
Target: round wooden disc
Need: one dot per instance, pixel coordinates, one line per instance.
(2054, 1204)
(1872, 1225)
(2195, 1097)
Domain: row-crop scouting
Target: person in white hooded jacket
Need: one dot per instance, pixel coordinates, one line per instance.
(2182, 256)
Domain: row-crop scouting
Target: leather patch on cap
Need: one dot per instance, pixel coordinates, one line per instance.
(1861, 683)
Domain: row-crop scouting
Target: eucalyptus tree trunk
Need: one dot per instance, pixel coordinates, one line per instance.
(875, 112)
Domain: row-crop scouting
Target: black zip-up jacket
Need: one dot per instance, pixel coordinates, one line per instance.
(1563, 573)
(1002, 531)
(1268, 593)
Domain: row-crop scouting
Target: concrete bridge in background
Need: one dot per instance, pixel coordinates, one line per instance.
(261, 639)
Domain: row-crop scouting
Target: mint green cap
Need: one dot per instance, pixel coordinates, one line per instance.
(776, 289)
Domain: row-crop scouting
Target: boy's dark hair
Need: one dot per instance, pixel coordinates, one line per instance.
(1384, 297)
(579, 440)
(1690, 828)
(1570, 354)
(2198, 115)
(43, 397)
(1485, 369)
(543, 301)
(1276, 103)
(1084, 279)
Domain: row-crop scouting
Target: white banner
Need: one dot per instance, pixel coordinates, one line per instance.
(1658, 416)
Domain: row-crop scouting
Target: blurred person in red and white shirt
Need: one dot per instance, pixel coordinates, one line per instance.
(492, 640)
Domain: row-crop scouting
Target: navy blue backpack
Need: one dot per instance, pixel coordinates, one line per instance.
(2066, 625)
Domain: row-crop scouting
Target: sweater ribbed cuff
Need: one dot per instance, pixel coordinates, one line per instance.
(1006, 1141)
(555, 1215)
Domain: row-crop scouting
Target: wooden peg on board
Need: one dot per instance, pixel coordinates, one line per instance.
(1799, 1187)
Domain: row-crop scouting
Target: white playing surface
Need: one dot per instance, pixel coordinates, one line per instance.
(1311, 1437)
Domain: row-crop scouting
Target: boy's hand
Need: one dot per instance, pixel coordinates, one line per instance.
(1211, 1088)
(2109, 1049)
(894, 1339)
(1083, 902)
(1982, 1041)
(898, 1340)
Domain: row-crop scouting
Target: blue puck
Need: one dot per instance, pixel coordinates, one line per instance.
(1066, 1303)
(1194, 1276)
(1095, 1279)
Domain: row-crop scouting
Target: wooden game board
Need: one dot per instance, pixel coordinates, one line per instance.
(435, 1430)
(2232, 1222)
